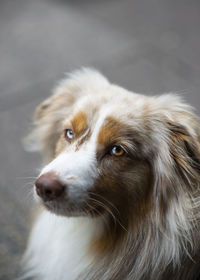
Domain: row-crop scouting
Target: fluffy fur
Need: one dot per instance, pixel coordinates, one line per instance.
(131, 215)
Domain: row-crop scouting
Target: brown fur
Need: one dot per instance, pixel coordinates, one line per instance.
(111, 129)
(79, 123)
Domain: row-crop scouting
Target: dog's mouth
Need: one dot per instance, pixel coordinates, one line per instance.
(62, 208)
(73, 209)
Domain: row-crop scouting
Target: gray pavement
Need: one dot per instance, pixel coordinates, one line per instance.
(148, 46)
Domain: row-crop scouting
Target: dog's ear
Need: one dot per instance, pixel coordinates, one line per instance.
(176, 170)
(179, 151)
(49, 114)
(176, 164)
(47, 121)
(184, 147)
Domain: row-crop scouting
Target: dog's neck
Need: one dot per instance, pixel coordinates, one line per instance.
(69, 245)
(65, 242)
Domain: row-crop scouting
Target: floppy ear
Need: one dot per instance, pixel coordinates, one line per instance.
(176, 168)
(177, 164)
(47, 121)
(49, 115)
(185, 151)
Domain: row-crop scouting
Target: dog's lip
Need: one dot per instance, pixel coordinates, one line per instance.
(56, 207)
(50, 207)
(64, 208)
(53, 203)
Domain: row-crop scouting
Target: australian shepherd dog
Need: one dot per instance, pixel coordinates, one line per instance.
(119, 192)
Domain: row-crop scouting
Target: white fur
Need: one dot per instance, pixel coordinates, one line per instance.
(60, 246)
(75, 169)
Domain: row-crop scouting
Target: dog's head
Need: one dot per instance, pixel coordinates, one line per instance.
(112, 151)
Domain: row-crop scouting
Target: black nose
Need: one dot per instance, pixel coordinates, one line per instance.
(49, 187)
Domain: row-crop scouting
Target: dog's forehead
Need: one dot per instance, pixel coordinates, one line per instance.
(99, 120)
(94, 113)
(98, 107)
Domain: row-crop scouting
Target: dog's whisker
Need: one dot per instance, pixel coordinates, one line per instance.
(98, 213)
(106, 200)
(21, 178)
(115, 219)
(28, 185)
(28, 195)
(109, 211)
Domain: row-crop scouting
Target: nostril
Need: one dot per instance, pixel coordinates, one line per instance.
(53, 192)
(49, 187)
(48, 192)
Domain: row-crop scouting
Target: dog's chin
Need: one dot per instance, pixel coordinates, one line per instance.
(63, 209)
(68, 209)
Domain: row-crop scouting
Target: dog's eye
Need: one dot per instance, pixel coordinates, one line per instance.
(117, 151)
(69, 134)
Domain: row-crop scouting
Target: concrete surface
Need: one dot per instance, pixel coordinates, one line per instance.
(148, 46)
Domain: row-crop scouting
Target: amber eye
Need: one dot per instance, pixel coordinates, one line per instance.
(117, 151)
(69, 134)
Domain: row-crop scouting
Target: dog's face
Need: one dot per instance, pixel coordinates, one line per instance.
(112, 151)
(98, 162)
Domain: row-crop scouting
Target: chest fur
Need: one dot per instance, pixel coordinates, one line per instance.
(59, 247)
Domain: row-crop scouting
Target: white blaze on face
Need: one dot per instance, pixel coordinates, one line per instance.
(76, 169)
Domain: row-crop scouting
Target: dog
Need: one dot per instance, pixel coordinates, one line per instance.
(120, 188)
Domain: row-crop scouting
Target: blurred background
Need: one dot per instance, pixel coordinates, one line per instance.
(147, 46)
